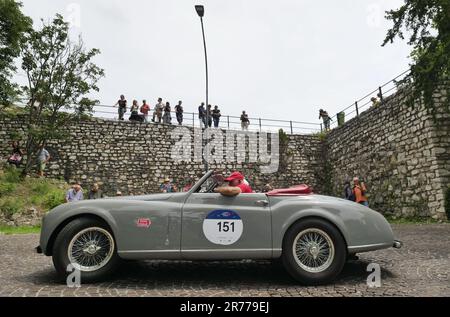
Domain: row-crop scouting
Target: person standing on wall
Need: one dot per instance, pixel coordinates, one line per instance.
(167, 119)
(202, 115)
(245, 122)
(216, 116)
(179, 112)
(158, 111)
(326, 119)
(135, 112)
(122, 103)
(145, 109)
(359, 190)
(208, 115)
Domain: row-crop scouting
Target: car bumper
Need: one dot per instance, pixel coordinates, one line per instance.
(374, 247)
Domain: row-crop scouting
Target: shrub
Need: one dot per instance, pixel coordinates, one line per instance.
(53, 199)
(40, 188)
(10, 206)
(11, 175)
(6, 188)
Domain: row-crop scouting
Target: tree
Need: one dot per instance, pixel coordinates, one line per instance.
(13, 24)
(60, 75)
(427, 23)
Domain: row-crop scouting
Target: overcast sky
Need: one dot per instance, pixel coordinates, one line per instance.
(276, 59)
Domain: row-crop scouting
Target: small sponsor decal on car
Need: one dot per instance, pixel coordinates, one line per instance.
(143, 223)
(223, 227)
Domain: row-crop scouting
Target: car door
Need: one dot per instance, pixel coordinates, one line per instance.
(219, 227)
(149, 229)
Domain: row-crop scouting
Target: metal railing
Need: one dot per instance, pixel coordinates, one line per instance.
(364, 103)
(227, 122)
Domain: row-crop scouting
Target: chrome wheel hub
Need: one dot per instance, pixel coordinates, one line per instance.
(90, 249)
(313, 250)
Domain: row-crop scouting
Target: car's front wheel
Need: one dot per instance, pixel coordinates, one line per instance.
(86, 246)
(314, 251)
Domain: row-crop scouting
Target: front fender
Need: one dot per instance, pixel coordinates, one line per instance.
(56, 219)
(363, 229)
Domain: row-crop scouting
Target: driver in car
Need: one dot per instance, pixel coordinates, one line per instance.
(236, 186)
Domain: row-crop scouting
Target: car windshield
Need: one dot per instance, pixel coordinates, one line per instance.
(210, 184)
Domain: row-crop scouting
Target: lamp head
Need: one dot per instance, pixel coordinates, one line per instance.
(200, 10)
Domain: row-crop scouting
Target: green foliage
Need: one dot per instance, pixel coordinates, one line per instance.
(53, 199)
(40, 187)
(19, 230)
(427, 23)
(411, 220)
(6, 188)
(322, 135)
(11, 175)
(62, 75)
(45, 195)
(13, 24)
(18, 194)
(11, 205)
(284, 138)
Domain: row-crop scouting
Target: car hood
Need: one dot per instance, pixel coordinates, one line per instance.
(151, 197)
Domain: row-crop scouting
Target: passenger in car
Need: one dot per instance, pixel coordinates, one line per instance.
(236, 186)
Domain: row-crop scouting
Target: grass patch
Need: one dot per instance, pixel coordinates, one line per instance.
(321, 135)
(7, 188)
(19, 230)
(19, 194)
(412, 220)
(10, 206)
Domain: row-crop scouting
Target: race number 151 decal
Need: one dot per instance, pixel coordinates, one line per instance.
(223, 227)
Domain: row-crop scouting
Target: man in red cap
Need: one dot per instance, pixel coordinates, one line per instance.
(236, 186)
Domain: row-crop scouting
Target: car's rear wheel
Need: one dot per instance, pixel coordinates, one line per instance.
(314, 251)
(88, 245)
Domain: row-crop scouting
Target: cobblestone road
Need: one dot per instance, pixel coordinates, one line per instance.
(421, 268)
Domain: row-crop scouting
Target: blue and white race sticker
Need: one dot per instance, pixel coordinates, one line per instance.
(223, 227)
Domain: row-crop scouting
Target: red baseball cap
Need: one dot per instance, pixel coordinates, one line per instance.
(235, 175)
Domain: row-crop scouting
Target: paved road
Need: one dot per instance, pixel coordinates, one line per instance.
(421, 268)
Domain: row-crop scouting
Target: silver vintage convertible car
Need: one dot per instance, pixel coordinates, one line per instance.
(313, 235)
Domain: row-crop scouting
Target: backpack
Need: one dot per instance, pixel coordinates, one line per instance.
(349, 194)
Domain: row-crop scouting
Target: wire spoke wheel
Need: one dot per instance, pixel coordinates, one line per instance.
(313, 250)
(91, 249)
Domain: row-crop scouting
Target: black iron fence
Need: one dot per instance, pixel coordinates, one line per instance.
(364, 103)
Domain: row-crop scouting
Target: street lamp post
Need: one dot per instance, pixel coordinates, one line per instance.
(201, 12)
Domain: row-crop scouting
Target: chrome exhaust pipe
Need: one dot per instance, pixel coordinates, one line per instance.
(397, 244)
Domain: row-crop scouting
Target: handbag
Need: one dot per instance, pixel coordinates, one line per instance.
(15, 158)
